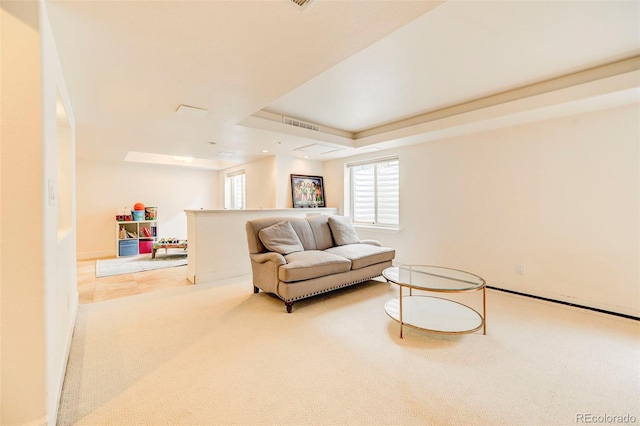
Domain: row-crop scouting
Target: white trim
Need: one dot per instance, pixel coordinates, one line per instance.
(576, 302)
(373, 160)
(89, 255)
(236, 173)
(42, 421)
(52, 413)
(381, 229)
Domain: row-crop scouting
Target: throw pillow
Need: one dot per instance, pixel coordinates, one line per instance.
(280, 238)
(343, 231)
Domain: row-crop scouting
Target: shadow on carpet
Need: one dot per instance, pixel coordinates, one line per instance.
(129, 265)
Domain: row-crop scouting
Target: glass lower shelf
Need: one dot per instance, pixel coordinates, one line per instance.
(435, 314)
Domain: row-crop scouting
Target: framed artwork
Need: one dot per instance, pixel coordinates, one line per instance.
(307, 191)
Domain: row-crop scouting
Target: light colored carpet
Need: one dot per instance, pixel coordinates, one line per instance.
(131, 264)
(221, 355)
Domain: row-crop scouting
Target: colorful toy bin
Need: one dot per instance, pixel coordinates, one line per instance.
(146, 246)
(138, 212)
(123, 215)
(150, 213)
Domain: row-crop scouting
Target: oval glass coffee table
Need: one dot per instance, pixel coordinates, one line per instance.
(430, 313)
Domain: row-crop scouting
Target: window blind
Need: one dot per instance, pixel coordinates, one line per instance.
(235, 186)
(375, 192)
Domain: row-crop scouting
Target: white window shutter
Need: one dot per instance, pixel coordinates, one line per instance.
(363, 193)
(375, 192)
(387, 191)
(235, 188)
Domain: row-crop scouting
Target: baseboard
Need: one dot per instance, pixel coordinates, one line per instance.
(52, 412)
(42, 421)
(216, 276)
(89, 255)
(576, 305)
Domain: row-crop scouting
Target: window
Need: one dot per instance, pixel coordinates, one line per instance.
(375, 196)
(234, 189)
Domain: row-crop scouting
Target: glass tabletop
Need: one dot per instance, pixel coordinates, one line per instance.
(433, 278)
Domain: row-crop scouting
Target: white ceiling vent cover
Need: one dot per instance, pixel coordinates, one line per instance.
(191, 111)
(318, 149)
(302, 4)
(298, 123)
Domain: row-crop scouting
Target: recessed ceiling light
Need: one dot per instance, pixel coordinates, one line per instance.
(265, 151)
(225, 154)
(183, 159)
(191, 111)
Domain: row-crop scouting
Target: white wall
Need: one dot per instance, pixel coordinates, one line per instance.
(259, 181)
(105, 187)
(61, 294)
(213, 259)
(288, 166)
(37, 263)
(560, 196)
(21, 254)
(268, 181)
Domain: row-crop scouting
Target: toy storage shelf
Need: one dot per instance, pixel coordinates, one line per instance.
(135, 237)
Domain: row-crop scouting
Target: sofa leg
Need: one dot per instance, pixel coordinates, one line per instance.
(255, 289)
(289, 306)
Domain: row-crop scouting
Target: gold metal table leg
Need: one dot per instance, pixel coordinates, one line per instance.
(401, 323)
(484, 310)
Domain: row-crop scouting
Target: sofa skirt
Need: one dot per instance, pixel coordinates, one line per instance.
(292, 291)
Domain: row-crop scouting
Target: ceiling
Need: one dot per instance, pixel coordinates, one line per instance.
(335, 78)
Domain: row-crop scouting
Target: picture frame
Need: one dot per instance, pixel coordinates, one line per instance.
(307, 191)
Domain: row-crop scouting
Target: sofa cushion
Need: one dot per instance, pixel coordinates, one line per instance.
(363, 255)
(309, 264)
(303, 229)
(343, 230)
(321, 231)
(280, 238)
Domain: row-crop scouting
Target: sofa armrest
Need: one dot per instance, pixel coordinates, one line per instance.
(371, 242)
(270, 256)
(264, 269)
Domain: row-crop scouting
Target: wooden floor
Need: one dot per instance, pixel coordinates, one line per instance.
(92, 289)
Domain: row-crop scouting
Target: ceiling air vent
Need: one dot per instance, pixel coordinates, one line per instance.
(300, 3)
(298, 123)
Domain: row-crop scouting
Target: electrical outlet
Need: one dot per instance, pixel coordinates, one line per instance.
(520, 268)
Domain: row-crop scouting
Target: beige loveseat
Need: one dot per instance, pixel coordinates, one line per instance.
(295, 258)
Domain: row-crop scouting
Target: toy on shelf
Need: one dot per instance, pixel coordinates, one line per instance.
(168, 243)
(124, 215)
(169, 240)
